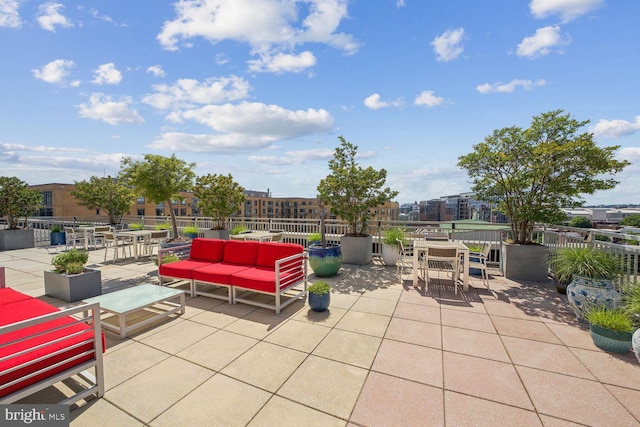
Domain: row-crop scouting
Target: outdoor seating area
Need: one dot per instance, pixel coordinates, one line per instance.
(385, 353)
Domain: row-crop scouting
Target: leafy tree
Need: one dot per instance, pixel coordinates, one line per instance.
(531, 173)
(631, 221)
(219, 197)
(16, 200)
(351, 190)
(107, 194)
(159, 179)
(581, 222)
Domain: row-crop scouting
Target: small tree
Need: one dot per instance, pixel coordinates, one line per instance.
(351, 191)
(16, 200)
(219, 197)
(531, 173)
(107, 194)
(581, 222)
(159, 179)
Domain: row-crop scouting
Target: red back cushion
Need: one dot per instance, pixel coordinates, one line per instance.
(240, 252)
(269, 253)
(8, 295)
(207, 249)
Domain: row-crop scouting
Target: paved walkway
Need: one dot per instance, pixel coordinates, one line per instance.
(384, 354)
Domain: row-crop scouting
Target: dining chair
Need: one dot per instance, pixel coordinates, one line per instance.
(405, 258)
(115, 242)
(478, 260)
(155, 238)
(442, 258)
(73, 237)
(98, 234)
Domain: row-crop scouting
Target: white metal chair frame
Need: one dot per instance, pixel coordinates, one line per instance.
(442, 258)
(405, 258)
(481, 264)
(73, 237)
(116, 242)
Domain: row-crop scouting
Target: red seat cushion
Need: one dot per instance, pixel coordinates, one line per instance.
(263, 279)
(217, 273)
(207, 249)
(241, 252)
(181, 269)
(269, 253)
(8, 296)
(28, 309)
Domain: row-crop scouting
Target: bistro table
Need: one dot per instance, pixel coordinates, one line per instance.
(420, 247)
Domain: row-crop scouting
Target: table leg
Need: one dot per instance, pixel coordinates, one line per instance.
(465, 282)
(122, 322)
(416, 265)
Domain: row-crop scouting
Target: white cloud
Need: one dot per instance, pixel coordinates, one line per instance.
(49, 17)
(542, 42)
(283, 62)
(509, 87)
(448, 46)
(428, 99)
(107, 74)
(54, 71)
(9, 16)
(245, 126)
(615, 128)
(374, 102)
(566, 9)
(189, 92)
(103, 107)
(400, 3)
(294, 157)
(270, 28)
(156, 70)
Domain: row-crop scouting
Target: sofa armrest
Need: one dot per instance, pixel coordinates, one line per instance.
(286, 269)
(174, 250)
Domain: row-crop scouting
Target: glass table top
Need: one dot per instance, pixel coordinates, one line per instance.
(132, 298)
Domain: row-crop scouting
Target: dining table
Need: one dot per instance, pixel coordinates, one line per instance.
(139, 237)
(420, 247)
(261, 236)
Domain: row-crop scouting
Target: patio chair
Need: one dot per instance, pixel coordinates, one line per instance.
(478, 260)
(442, 258)
(405, 258)
(98, 234)
(73, 237)
(276, 235)
(116, 242)
(237, 237)
(155, 238)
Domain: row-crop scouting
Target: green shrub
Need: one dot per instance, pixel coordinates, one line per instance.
(166, 259)
(136, 226)
(70, 262)
(631, 301)
(320, 288)
(190, 230)
(392, 235)
(239, 229)
(586, 262)
(614, 319)
(314, 237)
(56, 228)
(580, 222)
(163, 226)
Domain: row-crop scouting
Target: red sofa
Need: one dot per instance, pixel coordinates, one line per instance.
(41, 345)
(240, 268)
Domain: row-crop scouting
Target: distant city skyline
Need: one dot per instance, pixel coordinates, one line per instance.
(262, 89)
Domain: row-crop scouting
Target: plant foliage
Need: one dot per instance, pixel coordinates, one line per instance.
(581, 222)
(17, 200)
(532, 173)
(159, 179)
(238, 229)
(219, 197)
(70, 262)
(351, 190)
(631, 301)
(631, 221)
(586, 262)
(614, 319)
(392, 235)
(107, 194)
(320, 288)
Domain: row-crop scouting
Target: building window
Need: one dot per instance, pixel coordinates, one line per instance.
(140, 212)
(140, 201)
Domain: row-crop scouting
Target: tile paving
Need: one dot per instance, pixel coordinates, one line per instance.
(384, 354)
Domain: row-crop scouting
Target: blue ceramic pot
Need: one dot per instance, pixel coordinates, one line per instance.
(319, 302)
(58, 238)
(325, 262)
(584, 293)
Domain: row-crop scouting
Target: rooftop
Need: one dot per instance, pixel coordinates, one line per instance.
(384, 354)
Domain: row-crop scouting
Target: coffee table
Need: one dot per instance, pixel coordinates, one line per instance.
(137, 298)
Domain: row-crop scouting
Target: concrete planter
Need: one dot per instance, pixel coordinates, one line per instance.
(17, 239)
(389, 254)
(356, 250)
(74, 287)
(524, 262)
(216, 234)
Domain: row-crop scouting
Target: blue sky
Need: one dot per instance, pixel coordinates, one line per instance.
(262, 89)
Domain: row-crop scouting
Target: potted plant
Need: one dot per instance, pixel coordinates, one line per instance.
(319, 296)
(57, 235)
(351, 191)
(162, 226)
(611, 328)
(390, 245)
(190, 232)
(325, 259)
(219, 197)
(239, 229)
(314, 239)
(530, 174)
(17, 200)
(136, 226)
(70, 280)
(592, 273)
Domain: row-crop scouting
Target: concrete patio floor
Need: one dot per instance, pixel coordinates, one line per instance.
(384, 354)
